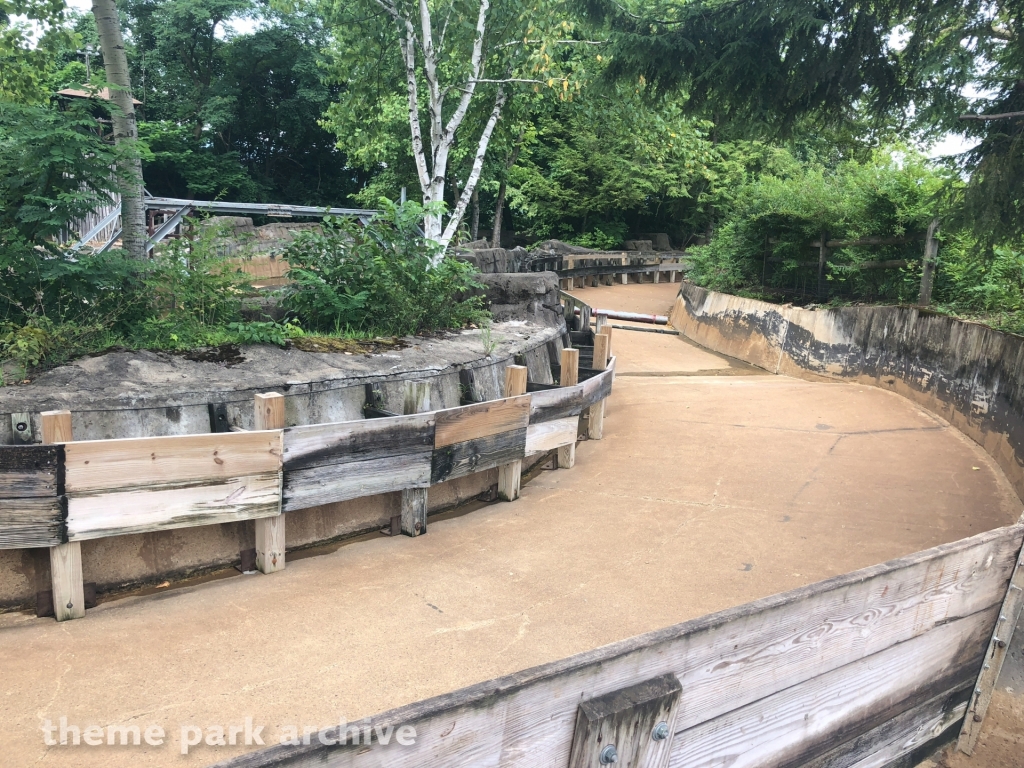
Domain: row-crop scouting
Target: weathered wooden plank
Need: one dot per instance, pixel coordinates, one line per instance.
(556, 404)
(470, 456)
(414, 511)
(599, 387)
(30, 470)
(898, 736)
(795, 725)
(551, 434)
(31, 522)
(996, 651)
(269, 413)
(153, 462)
(510, 475)
(352, 480)
(140, 510)
(66, 579)
(325, 445)
(472, 422)
(723, 661)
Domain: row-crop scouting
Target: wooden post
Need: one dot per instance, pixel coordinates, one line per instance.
(657, 273)
(601, 325)
(413, 514)
(995, 655)
(510, 475)
(595, 424)
(672, 276)
(931, 252)
(569, 377)
(269, 414)
(65, 559)
(822, 260)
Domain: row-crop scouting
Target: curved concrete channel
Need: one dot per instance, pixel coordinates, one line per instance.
(715, 484)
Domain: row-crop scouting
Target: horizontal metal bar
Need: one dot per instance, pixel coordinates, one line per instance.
(275, 209)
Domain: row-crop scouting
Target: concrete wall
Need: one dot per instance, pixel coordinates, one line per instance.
(968, 374)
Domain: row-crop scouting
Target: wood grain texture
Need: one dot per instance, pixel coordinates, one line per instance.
(30, 471)
(268, 411)
(325, 463)
(270, 543)
(470, 456)
(806, 720)
(203, 502)
(31, 522)
(472, 422)
(898, 736)
(56, 427)
(324, 445)
(625, 719)
(571, 401)
(66, 579)
(510, 478)
(551, 434)
(995, 654)
(152, 462)
(414, 511)
(569, 366)
(353, 480)
(724, 661)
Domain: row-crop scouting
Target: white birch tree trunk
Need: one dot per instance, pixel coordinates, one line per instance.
(417, 35)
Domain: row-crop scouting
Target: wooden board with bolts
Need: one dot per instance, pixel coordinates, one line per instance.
(995, 655)
(880, 656)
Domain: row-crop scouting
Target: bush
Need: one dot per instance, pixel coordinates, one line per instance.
(383, 278)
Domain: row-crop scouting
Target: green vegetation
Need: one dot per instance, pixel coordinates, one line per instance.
(379, 277)
(745, 132)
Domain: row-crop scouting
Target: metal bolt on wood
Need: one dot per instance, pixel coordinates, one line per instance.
(660, 732)
(609, 755)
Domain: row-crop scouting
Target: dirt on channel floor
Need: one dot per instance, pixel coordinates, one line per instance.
(714, 485)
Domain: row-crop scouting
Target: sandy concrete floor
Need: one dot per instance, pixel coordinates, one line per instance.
(706, 492)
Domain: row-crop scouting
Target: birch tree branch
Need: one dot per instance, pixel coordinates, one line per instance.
(476, 62)
(409, 54)
(474, 174)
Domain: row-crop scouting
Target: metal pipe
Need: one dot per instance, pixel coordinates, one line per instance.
(636, 317)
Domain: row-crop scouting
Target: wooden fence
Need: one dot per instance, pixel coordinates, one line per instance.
(606, 268)
(872, 668)
(62, 493)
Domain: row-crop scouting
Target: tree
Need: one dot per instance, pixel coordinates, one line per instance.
(28, 56)
(759, 67)
(459, 62)
(126, 130)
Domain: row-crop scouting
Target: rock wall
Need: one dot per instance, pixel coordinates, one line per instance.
(968, 374)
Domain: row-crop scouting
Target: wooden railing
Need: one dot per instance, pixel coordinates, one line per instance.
(580, 270)
(876, 667)
(62, 493)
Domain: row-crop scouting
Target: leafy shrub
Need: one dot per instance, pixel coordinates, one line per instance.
(384, 277)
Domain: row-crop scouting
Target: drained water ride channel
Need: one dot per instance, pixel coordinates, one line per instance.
(716, 484)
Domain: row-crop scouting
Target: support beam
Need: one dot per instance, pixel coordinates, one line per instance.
(510, 475)
(413, 515)
(65, 559)
(569, 377)
(595, 422)
(995, 655)
(270, 538)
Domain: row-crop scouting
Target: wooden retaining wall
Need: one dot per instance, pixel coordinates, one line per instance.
(870, 668)
(62, 494)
